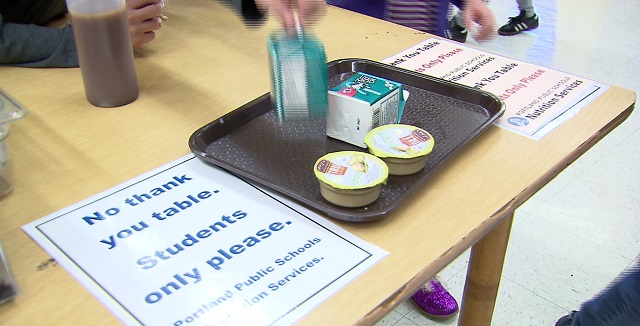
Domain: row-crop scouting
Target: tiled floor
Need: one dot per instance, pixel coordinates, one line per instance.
(587, 220)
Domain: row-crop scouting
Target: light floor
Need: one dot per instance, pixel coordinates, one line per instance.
(587, 220)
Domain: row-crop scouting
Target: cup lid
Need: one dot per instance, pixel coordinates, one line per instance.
(351, 170)
(10, 109)
(399, 141)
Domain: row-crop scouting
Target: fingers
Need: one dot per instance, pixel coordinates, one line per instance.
(144, 19)
(487, 27)
(143, 39)
(143, 32)
(284, 11)
(479, 12)
(137, 4)
(142, 10)
(308, 11)
(468, 21)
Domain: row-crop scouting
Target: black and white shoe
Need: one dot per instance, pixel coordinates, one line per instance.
(456, 32)
(519, 24)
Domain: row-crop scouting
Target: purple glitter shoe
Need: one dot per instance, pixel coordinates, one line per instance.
(435, 300)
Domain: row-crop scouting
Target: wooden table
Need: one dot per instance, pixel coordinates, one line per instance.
(204, 63)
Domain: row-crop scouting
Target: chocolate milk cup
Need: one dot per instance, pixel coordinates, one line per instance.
(103, 42)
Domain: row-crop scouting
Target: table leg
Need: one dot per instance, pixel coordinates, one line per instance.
(483, 276)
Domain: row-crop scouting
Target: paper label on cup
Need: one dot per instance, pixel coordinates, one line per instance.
(351, 170)
(401, 141)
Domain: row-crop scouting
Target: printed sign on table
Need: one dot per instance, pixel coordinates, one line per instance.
(536, 98)
(190, 244)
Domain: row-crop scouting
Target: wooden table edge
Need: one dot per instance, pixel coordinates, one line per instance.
(500, 221)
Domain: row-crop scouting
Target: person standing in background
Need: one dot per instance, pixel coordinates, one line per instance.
(430, 16)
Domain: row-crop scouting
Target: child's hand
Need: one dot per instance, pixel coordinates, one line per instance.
(308, 11)
(478, 11)
(144, 19)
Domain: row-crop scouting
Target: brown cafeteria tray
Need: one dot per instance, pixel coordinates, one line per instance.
(251, 143)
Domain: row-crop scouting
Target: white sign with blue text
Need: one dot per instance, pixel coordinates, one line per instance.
(191, 244)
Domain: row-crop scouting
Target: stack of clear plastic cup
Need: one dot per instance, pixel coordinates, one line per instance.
(299, 83)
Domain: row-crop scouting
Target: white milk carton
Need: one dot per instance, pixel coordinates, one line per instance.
(361, 103)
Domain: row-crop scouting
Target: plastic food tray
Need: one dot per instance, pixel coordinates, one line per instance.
(251, 143)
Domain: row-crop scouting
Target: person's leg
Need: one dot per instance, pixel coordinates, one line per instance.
(527, 6)
(618, 304)
(458, 18)
(456, 30)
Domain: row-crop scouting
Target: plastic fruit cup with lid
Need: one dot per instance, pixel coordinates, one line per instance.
(403, 148)
(350, 178)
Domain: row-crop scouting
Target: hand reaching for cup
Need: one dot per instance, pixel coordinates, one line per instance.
(307, 11)
(477, 11)
(145, 17)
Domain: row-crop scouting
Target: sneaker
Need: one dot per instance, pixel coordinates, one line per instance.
(519, 24)
(435, 300)
(456, 32)
(566, 320)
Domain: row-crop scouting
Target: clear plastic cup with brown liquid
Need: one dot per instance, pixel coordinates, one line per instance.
(105, 52)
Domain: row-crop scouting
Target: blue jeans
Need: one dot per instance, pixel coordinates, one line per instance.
(618, 304)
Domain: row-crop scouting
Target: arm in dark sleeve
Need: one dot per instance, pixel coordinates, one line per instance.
(28, 45)
(247, 9)
(457, 3)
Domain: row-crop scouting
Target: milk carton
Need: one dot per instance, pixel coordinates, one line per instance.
(361, 103)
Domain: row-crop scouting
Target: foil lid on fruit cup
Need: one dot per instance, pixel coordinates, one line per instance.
(399, 141)
(351, 170)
